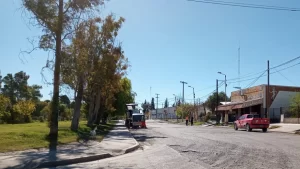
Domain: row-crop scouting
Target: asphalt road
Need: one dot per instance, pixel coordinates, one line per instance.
(174, 146)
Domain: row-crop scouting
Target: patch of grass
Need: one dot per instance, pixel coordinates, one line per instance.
(34, 135)
(198, 123)
(274, 127)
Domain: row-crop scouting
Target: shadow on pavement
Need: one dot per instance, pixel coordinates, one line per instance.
(143, 137)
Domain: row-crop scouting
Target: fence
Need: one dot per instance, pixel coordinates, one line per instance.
(285, 115)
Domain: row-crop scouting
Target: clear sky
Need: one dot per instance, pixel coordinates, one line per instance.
(168, 41)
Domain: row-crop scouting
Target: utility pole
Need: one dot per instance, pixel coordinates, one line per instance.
(156, 104)
(194, 100)
(217, 90)
(175, 106)
(268, 92)
(183, 82)
(225, 86)
(0, 80)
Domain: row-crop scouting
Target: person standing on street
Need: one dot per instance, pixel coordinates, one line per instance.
(186, 120)
(192, 120)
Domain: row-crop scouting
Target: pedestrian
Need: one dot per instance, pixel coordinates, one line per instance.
(186, 120)
(192, 120)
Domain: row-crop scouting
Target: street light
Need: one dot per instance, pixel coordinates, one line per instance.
(183, 82)
(175, 99)
(225, 86)
(239, 89)
(194, 97)
(193, 92)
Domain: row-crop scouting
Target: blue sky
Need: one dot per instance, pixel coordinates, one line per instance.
(167, 41)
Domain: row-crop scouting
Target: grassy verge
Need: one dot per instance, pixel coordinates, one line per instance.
(33, 135)
(198, 123)
(274, 127)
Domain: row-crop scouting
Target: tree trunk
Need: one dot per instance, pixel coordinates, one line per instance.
(76, 115)
(97, 106)
(91, 109)
(55, 100)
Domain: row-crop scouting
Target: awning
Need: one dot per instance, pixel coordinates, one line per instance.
(232, 106)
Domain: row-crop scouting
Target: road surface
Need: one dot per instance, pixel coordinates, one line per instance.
(171, 146)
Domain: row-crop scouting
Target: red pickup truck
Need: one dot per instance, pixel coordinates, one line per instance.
(252, 121)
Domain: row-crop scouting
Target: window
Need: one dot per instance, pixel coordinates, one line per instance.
(253, 116)
(242, 118)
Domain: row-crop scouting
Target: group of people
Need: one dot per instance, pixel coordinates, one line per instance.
(187, 120)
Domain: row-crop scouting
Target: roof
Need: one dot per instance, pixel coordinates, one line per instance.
(238, 105)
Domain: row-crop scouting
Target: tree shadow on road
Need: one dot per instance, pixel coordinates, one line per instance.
(143, 137)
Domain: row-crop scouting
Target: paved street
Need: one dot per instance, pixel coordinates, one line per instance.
(173, 146)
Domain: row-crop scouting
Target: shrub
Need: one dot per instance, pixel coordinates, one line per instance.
(41, 119)
(207, 117)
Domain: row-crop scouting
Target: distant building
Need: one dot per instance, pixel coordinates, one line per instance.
(170, 112)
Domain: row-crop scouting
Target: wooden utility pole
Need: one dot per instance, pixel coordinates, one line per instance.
(217, 104)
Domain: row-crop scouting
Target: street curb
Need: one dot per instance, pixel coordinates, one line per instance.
(72, 161)
(42, 163)
(270, 130)
(132, 148)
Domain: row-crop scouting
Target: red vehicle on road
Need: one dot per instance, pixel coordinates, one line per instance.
(252, 121)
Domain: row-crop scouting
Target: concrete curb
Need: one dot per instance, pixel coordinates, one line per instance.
(42, 163)
(68, 162)
(132, 148)
(270, 130)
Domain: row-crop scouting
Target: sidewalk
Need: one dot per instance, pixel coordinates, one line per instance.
(285, 128)
(117, 142)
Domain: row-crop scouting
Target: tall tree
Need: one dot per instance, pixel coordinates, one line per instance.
(24, 108)
(166, 103)
(124, 96)
(152, 104)
(185, 110)
(56, 18)
(146, 106)
(211, 101)
(4, 108)
(295, 106)
(109, 66)
(16, 88)
(64, 99)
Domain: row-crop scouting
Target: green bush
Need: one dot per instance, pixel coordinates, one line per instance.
(41, 119)
(207, 117)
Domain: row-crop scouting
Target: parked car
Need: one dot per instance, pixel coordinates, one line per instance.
(252, 121)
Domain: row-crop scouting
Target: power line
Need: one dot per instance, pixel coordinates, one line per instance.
(285, 63)
(286, 77)
(247, 5)
(253, 82)
(252, 74)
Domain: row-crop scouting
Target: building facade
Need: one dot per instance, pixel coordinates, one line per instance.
(262, 100)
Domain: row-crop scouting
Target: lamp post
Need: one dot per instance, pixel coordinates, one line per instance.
(183, 82)
(194, 99)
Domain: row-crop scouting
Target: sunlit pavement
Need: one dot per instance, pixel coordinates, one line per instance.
(165, 145)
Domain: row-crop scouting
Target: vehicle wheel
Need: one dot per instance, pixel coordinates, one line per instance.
(235, 127)
(264, 129)
(248, 128)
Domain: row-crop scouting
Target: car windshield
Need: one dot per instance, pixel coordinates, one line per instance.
(138, 117)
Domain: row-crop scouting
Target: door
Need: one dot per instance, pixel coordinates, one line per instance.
(240, 121)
